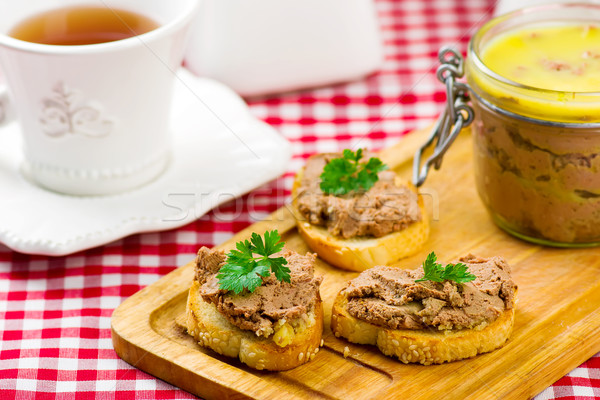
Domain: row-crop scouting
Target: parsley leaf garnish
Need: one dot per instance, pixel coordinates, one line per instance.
(452, 272)
(242, 270)
(347, 174)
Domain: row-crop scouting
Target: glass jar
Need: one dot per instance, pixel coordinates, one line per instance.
(536, 151)
(536, 147)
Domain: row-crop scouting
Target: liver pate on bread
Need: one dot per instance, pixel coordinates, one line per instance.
(383, 209)
(276, 327)
(359, 230)
(428, 322)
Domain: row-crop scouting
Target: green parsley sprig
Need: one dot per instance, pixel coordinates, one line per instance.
(452, 272)
(242, 270)
(347, 174)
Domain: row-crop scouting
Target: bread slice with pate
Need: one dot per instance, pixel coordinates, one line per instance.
(358, 231)
(428, 322)
(276, 327)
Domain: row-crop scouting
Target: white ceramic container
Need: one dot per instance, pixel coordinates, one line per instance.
(95, 118)
(265, 46)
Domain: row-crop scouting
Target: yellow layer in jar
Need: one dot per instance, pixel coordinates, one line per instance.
(559, 63)
(565, 58)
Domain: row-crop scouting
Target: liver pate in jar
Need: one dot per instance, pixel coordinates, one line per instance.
(534, 78)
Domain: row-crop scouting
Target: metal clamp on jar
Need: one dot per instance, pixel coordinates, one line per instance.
(536, 122)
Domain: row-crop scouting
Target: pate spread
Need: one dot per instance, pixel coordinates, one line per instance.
(271, 302)
(541, 181)
(390, 297)
(383, 209)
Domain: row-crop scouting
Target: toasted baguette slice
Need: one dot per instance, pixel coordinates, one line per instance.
(212, 330)
(361, 253)
(422, 346)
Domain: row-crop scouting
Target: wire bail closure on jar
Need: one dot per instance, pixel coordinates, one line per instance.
(457, 115)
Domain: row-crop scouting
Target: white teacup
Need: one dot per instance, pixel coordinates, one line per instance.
(95, 117)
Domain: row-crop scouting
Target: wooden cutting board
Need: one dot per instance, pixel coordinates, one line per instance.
(557, 324)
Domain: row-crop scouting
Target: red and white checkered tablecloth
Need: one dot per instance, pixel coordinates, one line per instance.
(55, 311)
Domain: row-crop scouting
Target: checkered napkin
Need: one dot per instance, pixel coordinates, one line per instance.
(55, 312)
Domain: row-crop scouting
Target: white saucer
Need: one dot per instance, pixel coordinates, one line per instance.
(220, 152)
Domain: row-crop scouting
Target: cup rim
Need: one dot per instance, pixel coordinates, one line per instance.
(474, 54)
(188, 12)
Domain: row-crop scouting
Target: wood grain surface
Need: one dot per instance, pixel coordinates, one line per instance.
(557, 323)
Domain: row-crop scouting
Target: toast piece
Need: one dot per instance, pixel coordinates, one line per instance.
(425, 346)
(276, 325)
(212, 330)
(429, 322)
(361, 253)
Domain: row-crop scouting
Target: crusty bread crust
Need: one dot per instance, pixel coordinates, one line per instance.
(361, 253)
(421, 346)
(212, 330)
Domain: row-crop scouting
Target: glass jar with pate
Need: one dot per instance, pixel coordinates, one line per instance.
(534, 83)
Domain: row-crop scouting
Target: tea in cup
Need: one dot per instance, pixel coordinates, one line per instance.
(91, 83)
